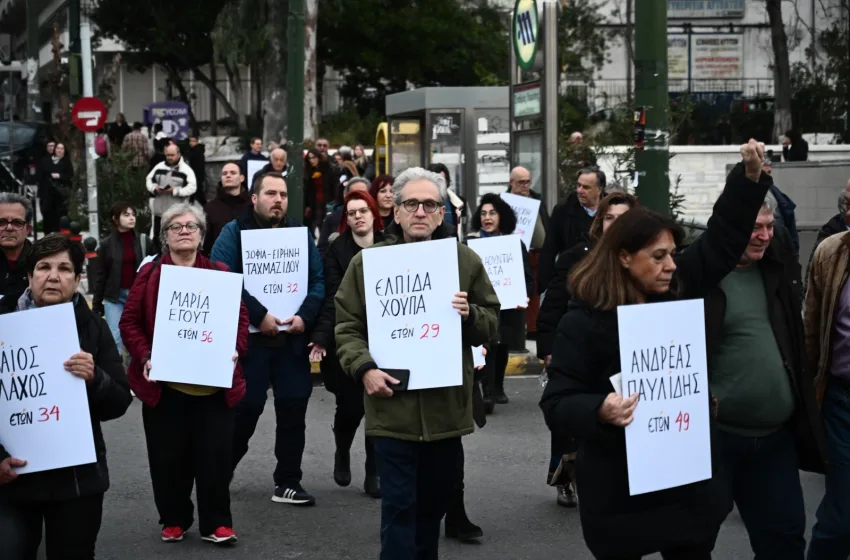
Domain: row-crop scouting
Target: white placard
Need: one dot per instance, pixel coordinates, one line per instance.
(254, 167)
(502, 259)
(526, 210)
(478, 357)
(44, 410)
(663, 359)
(275, 263)
(412, 324)
(197, 318)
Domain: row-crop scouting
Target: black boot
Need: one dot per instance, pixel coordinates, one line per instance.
(372, 484)
(342, 456)
(458, 525)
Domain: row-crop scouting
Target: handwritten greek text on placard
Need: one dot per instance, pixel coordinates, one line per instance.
(526, 210)
(411, 322)
(502, 259)
(662, 351)
(205, 318)
(44, 410)
(275, 265)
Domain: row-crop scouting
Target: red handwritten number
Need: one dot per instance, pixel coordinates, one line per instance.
(206, 336)
(45, 414)
(426, 329)
(507, 282)
(291, 288)
(684, 421)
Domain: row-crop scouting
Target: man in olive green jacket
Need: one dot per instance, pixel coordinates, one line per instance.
(417, 433)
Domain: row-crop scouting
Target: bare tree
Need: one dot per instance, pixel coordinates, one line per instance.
(311, 116)
(781, 70)
(274, 78)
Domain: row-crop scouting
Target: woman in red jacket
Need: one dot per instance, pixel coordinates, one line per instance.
(188, 428)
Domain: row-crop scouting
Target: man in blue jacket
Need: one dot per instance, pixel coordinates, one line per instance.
(277, 357)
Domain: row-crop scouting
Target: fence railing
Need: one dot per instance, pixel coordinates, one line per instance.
(603, 94)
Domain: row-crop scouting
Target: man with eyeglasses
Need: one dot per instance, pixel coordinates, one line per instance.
(416, 433)
(16, 214)
(170, 182)
(571, 221)
(277, 358)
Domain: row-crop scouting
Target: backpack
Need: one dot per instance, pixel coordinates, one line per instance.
(100, 146)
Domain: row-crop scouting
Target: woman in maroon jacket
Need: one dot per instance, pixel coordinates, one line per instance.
(188, 428)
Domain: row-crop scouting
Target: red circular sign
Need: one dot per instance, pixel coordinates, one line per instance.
(89, 114)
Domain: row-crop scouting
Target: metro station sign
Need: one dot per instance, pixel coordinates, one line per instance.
(526, 30)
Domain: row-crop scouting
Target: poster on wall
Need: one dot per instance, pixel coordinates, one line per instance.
(717, 62)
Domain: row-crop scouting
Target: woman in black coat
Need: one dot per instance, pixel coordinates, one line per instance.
(493, 218)
(554, 306)
(54, 188)
(635, 262)
(360, 228)
(66, 504)
(119, 256)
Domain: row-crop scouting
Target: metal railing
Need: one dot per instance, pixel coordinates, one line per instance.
(610, 93)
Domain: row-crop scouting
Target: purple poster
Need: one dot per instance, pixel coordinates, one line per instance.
(174, 116)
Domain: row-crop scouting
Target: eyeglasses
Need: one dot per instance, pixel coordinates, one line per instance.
(191, 227)
(14, 225)
(412, 205)
(359, 211)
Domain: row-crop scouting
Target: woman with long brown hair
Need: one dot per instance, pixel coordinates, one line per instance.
(360, 228)
(553, 307)
(635, 262)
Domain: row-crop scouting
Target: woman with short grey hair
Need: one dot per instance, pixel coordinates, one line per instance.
(188, 428)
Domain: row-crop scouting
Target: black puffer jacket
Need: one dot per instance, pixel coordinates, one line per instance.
(109, 398)
(586, 353)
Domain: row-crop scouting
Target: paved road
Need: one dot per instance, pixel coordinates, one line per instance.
(506, 464)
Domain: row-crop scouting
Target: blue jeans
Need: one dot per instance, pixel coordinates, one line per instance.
(765, 484)
(831, 533)
(112, 311)
(418, 480)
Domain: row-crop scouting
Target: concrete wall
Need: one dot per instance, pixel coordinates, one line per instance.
(703, 173)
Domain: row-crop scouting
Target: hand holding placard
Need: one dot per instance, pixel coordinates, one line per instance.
(81, 364)
(376, 383)
(617, 411)
(7, 469)
(460, 303)
(295, 324)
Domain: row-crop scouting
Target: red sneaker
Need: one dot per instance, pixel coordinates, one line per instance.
(222, 535)
(172, 534)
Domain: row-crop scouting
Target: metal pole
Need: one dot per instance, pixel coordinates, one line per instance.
(295, 105)
(651, 94)
(88, 91)
(32, 61)
(512, 72)
(550, 109)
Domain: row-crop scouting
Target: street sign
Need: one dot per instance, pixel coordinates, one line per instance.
(525, 32)
(89, 114)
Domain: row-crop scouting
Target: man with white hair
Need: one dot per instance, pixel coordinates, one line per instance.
(416, 433)
(768, 423)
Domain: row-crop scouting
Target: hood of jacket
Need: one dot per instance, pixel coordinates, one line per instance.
(229, 200)
(834, 225)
